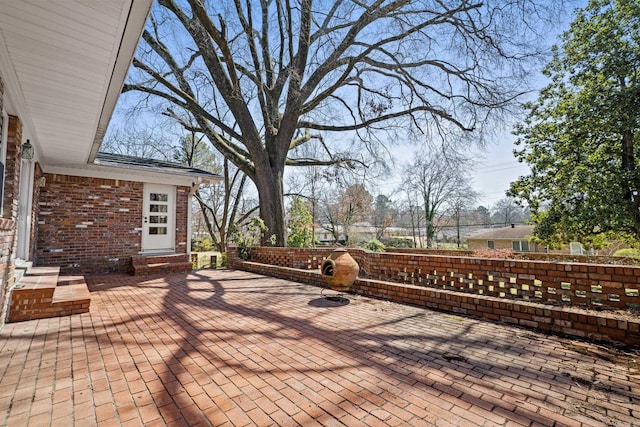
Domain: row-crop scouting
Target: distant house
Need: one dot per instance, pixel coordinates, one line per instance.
(515, 237)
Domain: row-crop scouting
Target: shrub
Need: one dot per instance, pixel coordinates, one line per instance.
(398, 242)
(628, 253)
(300, 225)
(493, 253)
(202, 244)
(374, 245)
(254, 232)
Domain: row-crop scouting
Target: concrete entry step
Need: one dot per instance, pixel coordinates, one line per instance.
(43, 293)
(143, 265)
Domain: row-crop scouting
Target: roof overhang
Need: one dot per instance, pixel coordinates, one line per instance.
(121, 173)
(64, 64)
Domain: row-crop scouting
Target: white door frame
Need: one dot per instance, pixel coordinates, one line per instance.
(158, 222)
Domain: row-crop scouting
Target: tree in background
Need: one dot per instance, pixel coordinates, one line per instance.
(300, 224)
(435, 178)
(260, 78)
(383, 215)
(580, 136)
(220, 204)
(459, 205)
(506, 211)
(343, 209)
(482, 216)
(146, 142)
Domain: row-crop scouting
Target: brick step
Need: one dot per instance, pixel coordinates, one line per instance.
(42, 293)
(143, 265)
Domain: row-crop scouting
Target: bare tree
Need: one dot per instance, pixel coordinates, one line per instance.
(383, 215)
(461, 201)
(219, 203)
(411, 214)
(506, 211)
(149, 142)
(436, 178)
(344, 208)
(261, 78)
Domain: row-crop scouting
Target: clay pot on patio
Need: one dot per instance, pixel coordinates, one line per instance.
(340, 270)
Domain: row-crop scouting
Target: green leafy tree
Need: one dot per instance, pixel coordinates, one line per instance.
(300, 224)
(580, 136)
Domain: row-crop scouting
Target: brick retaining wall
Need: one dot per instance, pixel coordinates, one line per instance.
(543, 295)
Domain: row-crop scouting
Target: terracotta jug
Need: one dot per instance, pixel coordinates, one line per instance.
(340, 270)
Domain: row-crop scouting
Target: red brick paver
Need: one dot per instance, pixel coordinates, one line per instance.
(234, 348)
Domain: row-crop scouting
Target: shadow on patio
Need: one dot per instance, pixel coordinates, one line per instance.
(235, 348)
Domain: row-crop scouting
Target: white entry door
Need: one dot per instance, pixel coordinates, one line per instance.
(158, 222)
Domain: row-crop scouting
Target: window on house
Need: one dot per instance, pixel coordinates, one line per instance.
(491, 244)
(520, 245)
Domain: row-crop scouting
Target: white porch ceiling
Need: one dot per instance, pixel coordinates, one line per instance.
(63, 63)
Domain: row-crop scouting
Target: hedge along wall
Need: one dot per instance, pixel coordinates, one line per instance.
(534, 294)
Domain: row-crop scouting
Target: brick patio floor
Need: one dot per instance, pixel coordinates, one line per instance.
(234, 348)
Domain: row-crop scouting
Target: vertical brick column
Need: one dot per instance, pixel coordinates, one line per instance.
(35, 210)
(182, 214)
(12, 169)
(8, 221)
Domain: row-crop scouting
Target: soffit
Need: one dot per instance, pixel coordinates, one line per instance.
(64, 62)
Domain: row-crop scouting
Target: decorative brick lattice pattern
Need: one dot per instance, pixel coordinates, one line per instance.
(301, 258)
(546, 282)
(534, 294)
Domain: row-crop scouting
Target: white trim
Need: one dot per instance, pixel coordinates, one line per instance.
(25, 207)
(107, 172)
(14, 102)
(5, 135)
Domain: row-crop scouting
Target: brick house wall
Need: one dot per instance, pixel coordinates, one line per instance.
(8, 221)
(12, 169)
(94, 225)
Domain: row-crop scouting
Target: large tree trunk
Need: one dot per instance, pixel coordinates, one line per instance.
(271, 198)
(629, 185)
